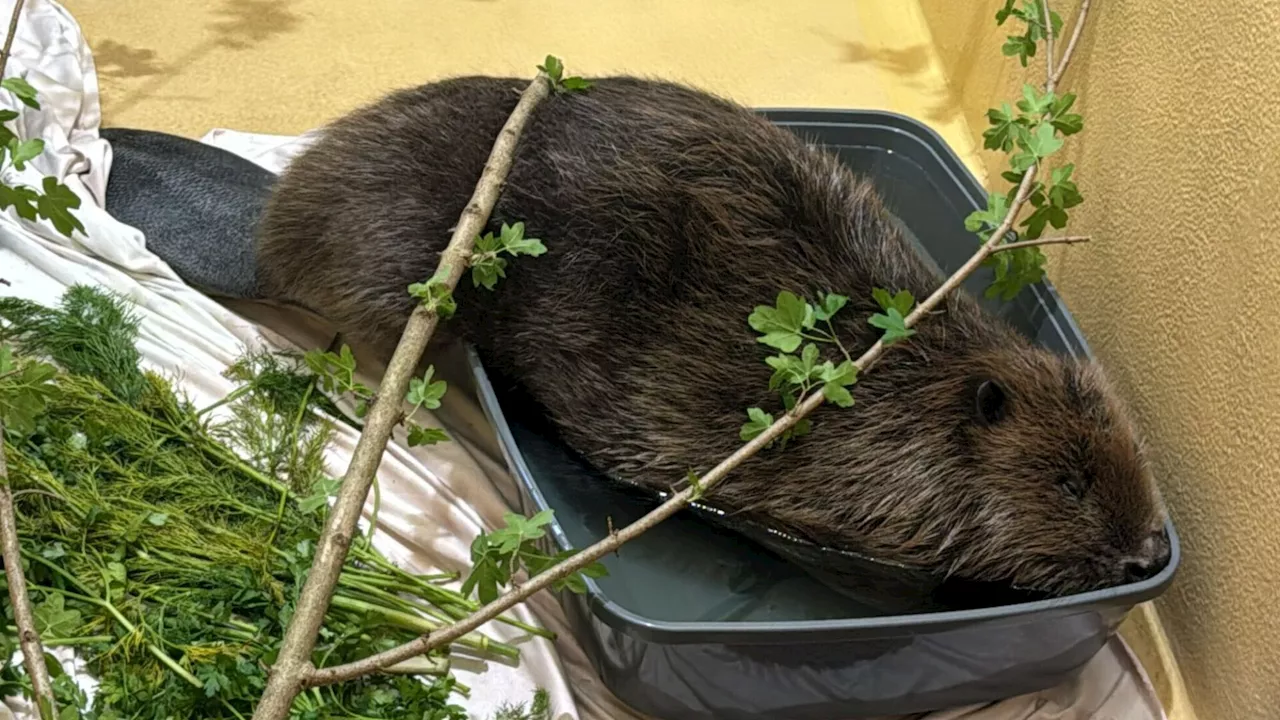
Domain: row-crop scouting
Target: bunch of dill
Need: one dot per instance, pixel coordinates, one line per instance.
(171, 561)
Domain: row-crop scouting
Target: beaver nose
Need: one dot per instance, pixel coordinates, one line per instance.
(1150, 558)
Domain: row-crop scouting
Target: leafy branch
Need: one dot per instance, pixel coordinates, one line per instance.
(1032, 134)
(293, 671)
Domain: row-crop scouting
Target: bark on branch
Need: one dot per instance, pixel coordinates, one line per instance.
(23, 617)
(1068, 240)
(293, 666)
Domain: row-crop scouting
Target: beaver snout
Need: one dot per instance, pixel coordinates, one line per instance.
(1150, 559)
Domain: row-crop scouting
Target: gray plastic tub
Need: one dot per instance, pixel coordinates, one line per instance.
(697, 621)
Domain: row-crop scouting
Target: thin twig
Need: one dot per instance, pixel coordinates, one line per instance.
(1069, 240)
(1071, 47)
(8, 40)
(1048, 46)
(293, 665)
(23, 617)
(683, 498)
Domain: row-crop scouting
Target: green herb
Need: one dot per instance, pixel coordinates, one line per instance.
(539, 709)
(90, 332)
(172, 562)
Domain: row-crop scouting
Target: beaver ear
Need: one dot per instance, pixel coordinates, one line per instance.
(989, 402)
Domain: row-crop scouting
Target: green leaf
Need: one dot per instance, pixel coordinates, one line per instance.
(553, 68)
(419, 436)
(696, 483)
(894, 325)
(426, 393)
(7, 115)
(346, 359)
(1069, 124)
(1062, 104)
(1033, 102)
(515, 243)
(1065, 195)
(519, 530)
(837, 394)
(788, 368)
(488, 243)
(486, 273)
(24, 152)
(1003, 13)
(809, 358)
(986, 221)
(1004, 130)
(846, 373)
(1021, 162)
(24, 392)
(1023, 47)
(780, 326)
(784, 341)
(56, 205)
(435, 293)
(903, 301)
(1014, 270)
(158, 518)
(53, 551)
(576, 84)
(6, 360)
(22, 90)
(21, 197)
(759, 422)
(1044, 142)
(54, 620)
(828, 305)
(320, 493)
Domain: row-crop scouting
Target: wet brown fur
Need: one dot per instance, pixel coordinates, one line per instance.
(669, 214)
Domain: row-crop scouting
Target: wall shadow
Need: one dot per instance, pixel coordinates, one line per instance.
(117, 60)
(238, 25)
(908, 66)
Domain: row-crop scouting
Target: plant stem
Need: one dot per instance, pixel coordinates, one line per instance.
(1069, 240)
(1048, 44)
(23, 617)
(683, 498)
(1053, 79)
(8, 40)
(129, 627)
(28, 636)
(293, 665)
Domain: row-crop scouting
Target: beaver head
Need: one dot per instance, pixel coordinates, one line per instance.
(1008, 464)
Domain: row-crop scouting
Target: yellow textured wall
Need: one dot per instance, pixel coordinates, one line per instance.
(283, 66)
(1179, 294)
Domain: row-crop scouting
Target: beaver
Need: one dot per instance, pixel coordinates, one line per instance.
(668, 214)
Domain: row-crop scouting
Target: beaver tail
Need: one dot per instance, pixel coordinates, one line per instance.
(197, 205)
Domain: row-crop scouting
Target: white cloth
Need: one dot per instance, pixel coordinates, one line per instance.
(434, 501)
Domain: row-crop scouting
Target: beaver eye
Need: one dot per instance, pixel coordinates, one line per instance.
(1074, 484)
(989, 402)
